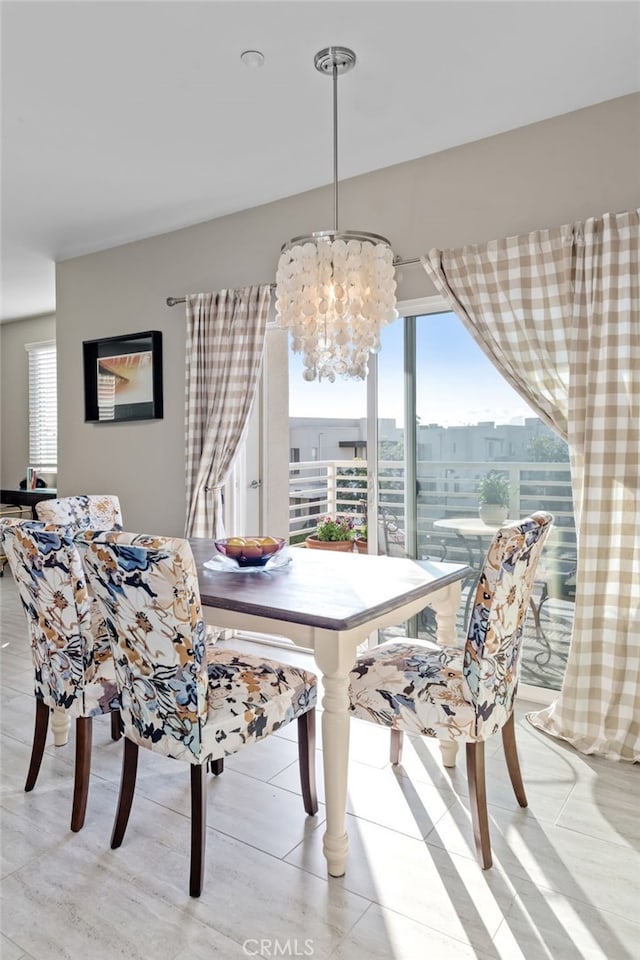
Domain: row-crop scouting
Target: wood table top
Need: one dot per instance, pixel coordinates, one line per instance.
(334, 591)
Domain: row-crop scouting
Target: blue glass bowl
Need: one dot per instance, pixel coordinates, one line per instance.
(244, 550)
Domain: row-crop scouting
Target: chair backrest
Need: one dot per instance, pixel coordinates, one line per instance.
(391, 538)
(9, 510)
(494, 640)
(147, 588)
(85, 512)
(48, 573)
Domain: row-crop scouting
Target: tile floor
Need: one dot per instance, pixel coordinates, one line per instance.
(565, 882)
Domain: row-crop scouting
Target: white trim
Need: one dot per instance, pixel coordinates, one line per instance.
(421, 306)
(39, 345)
(542, 695)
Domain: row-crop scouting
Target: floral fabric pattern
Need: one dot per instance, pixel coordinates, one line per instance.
(69, 641)
(82, 513)
(178, 696)
(459, 694)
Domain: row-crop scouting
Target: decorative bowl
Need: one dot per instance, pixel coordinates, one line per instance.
(250, 551)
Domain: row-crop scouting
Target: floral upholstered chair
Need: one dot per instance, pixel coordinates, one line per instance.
(9, 510)
(93, 512)
(462, 695)
(69, 643)
(179, 697)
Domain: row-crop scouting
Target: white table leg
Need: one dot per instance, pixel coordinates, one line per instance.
(60, 724)
(335, 665)
(446, 603)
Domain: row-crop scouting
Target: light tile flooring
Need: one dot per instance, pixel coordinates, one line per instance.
(565, 882)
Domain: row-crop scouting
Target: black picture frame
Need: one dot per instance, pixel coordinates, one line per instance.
(123, 378)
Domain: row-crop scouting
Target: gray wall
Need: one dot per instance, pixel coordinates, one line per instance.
(14, 393)
(571, 167)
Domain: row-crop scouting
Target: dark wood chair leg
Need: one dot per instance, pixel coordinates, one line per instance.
(39, 743)
(116, 725)
(395, 749)
(198, 828)
(127, 788)
(216, 766)
(307, 760)
(84, 729)
(513, 763)
(478, 802)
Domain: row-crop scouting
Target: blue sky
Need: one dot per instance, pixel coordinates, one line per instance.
(456, 383)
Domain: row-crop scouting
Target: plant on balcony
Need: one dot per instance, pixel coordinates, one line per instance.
(362, 543)
(339, 529)
(333, 534)
(493, 497)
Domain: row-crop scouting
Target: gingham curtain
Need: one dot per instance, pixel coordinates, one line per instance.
(557, 312)
(225, 343)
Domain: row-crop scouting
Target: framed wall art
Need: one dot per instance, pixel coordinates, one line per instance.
(123, 378)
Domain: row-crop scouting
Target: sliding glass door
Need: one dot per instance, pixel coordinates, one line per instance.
(446, 419)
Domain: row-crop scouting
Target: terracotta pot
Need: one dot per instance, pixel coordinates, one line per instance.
(338, 546)
(362, 546)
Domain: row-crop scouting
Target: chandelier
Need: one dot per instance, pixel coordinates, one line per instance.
(335, 289)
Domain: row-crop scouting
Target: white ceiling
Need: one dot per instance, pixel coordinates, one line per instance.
(122, 120)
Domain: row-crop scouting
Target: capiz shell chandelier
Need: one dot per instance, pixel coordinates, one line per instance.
(335, 290)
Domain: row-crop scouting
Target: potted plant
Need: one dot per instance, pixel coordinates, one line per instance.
(333, 534)
(493, 497)
(362, 542)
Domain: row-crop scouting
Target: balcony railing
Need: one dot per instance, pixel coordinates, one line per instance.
(444, 489)
(448, 490)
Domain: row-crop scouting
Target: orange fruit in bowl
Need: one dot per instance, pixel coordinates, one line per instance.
(270, 545)
(234, 547)
(252, 548)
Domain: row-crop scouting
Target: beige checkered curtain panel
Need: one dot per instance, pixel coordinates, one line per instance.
(225, 343)
(557, 312)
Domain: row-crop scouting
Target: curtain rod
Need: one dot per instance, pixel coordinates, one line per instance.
(173, 301)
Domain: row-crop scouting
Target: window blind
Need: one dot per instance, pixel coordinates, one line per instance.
(43, 405)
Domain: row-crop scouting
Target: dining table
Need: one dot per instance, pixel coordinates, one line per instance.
(330, 603)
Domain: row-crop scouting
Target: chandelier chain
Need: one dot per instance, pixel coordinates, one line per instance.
(335, 147)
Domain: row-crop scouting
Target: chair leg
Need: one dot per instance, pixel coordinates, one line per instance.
(395, 750)
(39, 743)
(513, 764)
(216, 766)
(127, 788)
(116, 725)
(307, 760)
(84, 730)
(198, 828)
(478, 802)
